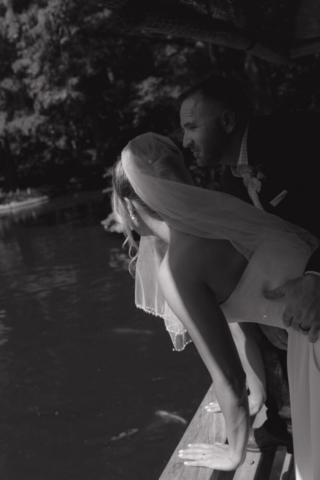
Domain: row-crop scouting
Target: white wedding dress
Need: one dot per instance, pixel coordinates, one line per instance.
(276, 251)
(247, 304)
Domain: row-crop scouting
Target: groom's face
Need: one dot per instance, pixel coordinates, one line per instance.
(202, 130)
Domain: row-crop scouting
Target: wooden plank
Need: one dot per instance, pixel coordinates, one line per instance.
(204, 428)
(178, 20)
(209, 428)
(283, 466)
(291, 472)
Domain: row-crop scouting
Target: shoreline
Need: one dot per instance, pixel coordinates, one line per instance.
(16, 205)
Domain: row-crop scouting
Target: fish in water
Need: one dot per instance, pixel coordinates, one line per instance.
(125, 434)
(154, 429)
(170, 417)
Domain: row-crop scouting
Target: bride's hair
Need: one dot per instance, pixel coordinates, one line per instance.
(122, 189)
(163, 158)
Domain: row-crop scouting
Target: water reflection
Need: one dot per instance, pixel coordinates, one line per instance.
(79, 365)
(118, 259)
(4, 330)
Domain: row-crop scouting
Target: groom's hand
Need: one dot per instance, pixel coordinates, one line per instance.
(302, 311)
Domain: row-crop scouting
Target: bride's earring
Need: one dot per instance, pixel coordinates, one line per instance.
(131, 209)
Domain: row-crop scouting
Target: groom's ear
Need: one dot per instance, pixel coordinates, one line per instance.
(228, 120)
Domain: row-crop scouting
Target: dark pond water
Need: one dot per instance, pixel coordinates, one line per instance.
(90, 388)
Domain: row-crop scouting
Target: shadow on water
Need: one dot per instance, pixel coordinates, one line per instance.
(89, 386)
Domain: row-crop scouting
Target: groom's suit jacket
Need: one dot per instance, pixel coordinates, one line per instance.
(287, 150)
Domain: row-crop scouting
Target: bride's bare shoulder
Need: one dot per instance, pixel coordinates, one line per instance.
(200, 250)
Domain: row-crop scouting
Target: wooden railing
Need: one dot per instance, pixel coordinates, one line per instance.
(275, 464)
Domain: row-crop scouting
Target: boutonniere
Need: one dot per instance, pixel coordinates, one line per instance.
(251, 175)
(252, 178)
(257, 178)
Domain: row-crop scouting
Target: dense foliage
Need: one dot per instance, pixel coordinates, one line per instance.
(75, 85)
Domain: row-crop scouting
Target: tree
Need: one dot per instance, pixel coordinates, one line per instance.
(76, 85)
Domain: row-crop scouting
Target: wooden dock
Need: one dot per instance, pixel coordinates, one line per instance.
(276, 464)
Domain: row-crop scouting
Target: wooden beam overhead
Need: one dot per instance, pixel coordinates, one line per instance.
(274, 30)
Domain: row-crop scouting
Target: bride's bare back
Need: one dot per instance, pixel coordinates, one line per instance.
(215, 262)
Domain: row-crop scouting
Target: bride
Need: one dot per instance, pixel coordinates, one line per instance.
(204, 260)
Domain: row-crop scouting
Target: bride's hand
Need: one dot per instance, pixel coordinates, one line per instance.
(216, 456)
(255, 405)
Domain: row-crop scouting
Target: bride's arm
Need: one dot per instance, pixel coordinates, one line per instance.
(182, 280)
(253, 366)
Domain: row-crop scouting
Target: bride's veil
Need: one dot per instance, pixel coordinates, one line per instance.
(154, 166)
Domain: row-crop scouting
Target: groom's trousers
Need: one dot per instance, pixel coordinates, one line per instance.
(278, 411)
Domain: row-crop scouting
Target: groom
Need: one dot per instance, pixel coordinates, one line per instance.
(272, 162)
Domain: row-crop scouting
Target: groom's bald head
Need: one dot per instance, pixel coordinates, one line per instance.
(222, 91)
